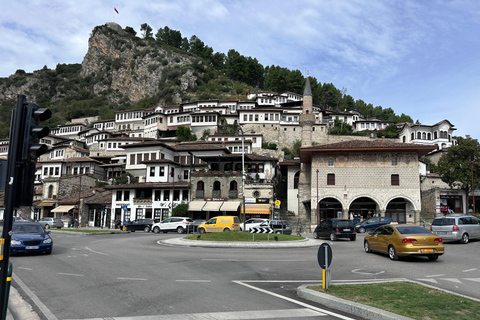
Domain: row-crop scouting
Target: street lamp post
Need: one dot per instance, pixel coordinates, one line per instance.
(243, 175)
(473, 187)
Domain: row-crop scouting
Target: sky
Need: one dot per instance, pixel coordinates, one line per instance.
(420, 58)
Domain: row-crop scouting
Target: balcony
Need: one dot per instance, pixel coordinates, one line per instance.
(233, 194)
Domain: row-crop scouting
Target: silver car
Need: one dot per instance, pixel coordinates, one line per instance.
(48, 222)
(456, 227)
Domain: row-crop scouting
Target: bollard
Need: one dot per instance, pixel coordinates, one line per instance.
(7, 289)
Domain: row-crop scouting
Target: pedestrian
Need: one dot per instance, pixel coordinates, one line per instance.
(450, 211)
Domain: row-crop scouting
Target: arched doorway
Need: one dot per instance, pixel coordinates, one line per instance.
(329, 208)
(362, 208)
(397, 209)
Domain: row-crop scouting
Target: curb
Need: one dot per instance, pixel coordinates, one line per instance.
(347, 306)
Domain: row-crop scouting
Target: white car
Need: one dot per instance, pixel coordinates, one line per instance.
(177, 224)
(251, 223)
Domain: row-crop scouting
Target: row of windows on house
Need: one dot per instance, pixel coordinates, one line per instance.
(394, 179)
(158, 195)
(68, 129)
(130, 115)
(428, 135)
(269, 117)
(55, 171)
(373, 125)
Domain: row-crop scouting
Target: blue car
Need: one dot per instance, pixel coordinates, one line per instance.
(28, 237)
(372, 223)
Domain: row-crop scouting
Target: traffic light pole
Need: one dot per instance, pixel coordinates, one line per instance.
(14, 167)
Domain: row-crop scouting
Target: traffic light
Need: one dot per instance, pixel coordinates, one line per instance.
(31, 149)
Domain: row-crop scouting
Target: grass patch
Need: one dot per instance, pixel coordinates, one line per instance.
(408, 299)
(242, 237)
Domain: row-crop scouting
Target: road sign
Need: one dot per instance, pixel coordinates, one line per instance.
(261, 230)
(324, 255)
(277, 202)
(125, 208)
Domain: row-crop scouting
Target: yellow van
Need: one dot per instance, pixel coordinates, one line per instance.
(220, 223)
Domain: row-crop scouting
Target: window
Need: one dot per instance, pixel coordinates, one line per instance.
(162, 171)
(166, 195)
(152, 171)
(331, 179)
(126, 195)
(158, 195)
(185, 174)
(233, 185)
(395, 180)
(330, 162)
(119, 195)
(394, 161)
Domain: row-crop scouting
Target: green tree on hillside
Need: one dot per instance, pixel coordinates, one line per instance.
(460, 164)
(183, 133)
(146, 31)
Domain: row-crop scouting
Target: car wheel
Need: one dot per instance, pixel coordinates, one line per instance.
(180, 230)
(47, 226)
(315, 235)
(361, 230)
(353, 238)
(392, 253)
(464, 239)
(278, 232)
(366, 246)
(156, 230)
(226, 229)
(201, 230)
(333, 236)
(432, 258)
(146, 229)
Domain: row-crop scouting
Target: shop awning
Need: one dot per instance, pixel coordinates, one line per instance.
(256, 208)
(46, 204)
(63, 208)
(212, 206)
(230, 206)
(196, 205)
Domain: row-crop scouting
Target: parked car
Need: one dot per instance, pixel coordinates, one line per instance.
(278, 226)
(456, 227)
(178, 224)
(404, 240)
(196, 223)
(29, 237)
(334, 229)
(372, 223)
(220, 223)
(22, 219)
(140, 224)
(250, 223)
(48, 222)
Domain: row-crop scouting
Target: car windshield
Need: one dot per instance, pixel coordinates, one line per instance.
(344, 223)
(443, 222)
(412, 230)
(27, 229)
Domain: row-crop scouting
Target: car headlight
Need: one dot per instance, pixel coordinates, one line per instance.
(16, 242)
(49, 240)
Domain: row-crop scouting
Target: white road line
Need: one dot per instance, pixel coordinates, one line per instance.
(434, 275)
(134, 279)
(251, 314)
(241, 260)
(71, 274)
(43, 308)
(469, 270)
(305, 305)
(193, 280)
(105, 254)
(24, 268)
(452, 280)
(473, 279)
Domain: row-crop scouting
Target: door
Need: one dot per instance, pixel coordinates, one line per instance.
(210, 225)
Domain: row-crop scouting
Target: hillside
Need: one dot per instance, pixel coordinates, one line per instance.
(122, 71)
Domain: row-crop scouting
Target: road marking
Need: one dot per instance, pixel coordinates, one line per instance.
(452, 280)
(428, 280)
(305, 305)
(193, 280)
(71, 274)
(473, 279)
(251, 314)
(361, 271)
(469, 270)
(240, 260)
(105, 254)
(434, 275)
(134, 279)
(25, 268)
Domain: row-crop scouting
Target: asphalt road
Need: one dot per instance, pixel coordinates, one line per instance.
(132, 275)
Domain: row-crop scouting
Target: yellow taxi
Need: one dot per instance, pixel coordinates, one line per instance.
(220, 223)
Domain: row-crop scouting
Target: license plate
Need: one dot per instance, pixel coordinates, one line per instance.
(32, 247)
(427, 250)
(441, 232)
(347, 230)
